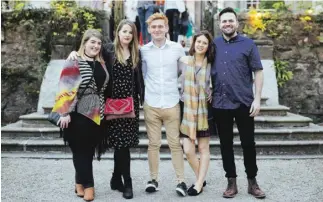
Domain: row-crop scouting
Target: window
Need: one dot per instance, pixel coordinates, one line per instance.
(253, 3)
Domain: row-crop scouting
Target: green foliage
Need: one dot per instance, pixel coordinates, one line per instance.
(284, 25)
(33, 21)
(70, 21)
(38, 30)
(280, 6)
(268, 4)
(282, 73)
(254, 22)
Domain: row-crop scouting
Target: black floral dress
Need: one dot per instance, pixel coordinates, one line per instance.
(124, 132)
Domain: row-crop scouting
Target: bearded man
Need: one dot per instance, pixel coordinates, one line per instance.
(236, 60)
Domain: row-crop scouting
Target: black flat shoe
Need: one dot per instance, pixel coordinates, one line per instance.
(194, 192)
(128, 192)
(190, 189)
(116, 183)
(204, 183)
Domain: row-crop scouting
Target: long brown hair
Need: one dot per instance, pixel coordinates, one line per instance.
(210, 53)
(86, 36)
(133, 46)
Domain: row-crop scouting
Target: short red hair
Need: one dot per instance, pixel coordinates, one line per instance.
(157, 16)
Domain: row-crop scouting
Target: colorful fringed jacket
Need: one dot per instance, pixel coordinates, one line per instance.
(73, 81)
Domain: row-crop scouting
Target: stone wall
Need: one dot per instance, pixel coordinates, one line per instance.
(304, 93)
(22, 68)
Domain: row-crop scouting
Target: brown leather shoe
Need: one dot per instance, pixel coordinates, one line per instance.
(79, 190)
(89, 194)
(253, 189)
(232, 189)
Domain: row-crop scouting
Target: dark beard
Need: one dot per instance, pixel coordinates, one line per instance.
(229, 35)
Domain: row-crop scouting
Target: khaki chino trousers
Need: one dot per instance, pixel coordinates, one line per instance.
(154, 119)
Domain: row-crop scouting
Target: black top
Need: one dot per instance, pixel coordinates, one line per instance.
(99, 73)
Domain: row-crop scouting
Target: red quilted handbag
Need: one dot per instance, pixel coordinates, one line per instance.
(119, 108)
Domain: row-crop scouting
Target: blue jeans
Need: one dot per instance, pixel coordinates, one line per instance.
(143, 16)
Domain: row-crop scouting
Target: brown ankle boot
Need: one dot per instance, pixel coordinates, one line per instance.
(253, 189)
(232, 189)
(79, 190)
(89, 194)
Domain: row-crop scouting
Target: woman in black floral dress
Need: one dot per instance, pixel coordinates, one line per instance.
(123, 62)
(123, 133)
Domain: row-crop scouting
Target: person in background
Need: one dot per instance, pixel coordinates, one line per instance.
(131, 9)
(160, 4)
(195, 97)
(80, 102)
(173, 9)
(236, 58)
(145, 9)
(131, 13)
(184, 23)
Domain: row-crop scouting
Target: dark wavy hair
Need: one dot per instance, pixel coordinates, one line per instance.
(210, 53)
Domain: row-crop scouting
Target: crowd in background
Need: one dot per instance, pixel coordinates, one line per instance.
(180, 24)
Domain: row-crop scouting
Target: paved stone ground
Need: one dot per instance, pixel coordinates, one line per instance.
(28, 179)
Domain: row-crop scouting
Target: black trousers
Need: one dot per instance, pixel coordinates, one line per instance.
(82, 160)
(173, 23)
(83, 136)
(122, 163)
(224, 124)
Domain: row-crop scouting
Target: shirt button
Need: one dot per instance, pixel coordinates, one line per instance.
(226, 51)
(223, 84)
(225, 62)
(224, 94)
(224, 73)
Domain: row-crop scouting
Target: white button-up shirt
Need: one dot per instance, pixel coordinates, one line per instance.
(160, 68)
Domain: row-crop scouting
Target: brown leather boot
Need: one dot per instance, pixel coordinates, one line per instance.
(79, 190)
(253, 189)
(232, 189)
(89, 194)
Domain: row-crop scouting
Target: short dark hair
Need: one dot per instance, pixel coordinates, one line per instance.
(227, 10)
(210, 53)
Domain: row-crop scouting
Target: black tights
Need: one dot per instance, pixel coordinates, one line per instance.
(82, 159)
(122, 163)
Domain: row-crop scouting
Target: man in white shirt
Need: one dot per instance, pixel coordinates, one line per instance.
(160, 65)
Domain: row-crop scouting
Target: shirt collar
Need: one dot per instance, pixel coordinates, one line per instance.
(151, 44)
(236, 38)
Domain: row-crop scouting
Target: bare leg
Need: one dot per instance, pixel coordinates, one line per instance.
(189, 150)
(204, 150)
